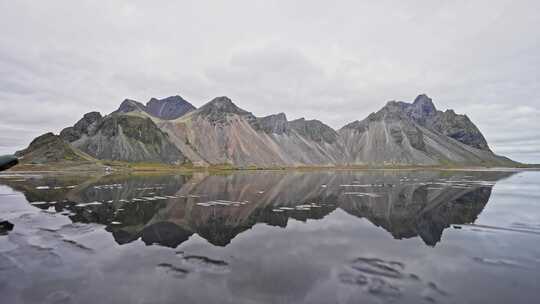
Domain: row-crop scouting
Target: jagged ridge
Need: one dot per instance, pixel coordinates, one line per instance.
(167, 108)
(220, 132)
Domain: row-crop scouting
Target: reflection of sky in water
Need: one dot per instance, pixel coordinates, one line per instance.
(515, 203)
(338, 255)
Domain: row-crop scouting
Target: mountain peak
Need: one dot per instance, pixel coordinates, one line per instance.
(169, 108)
(275, 123)
(130, 105)
(422, 109)
(422, 98)
(218, 109)
(222, 104)
(314, 130)
(450, 111)
(424, 103)
(171, 99)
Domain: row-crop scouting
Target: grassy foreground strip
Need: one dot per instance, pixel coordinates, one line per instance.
(117, 166)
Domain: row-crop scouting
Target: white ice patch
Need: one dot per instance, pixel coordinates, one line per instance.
(111, 186)
(362, 194)
(89, 204)
(286, 208)
(222, 203)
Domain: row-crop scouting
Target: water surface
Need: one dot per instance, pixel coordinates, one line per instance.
(272, 237)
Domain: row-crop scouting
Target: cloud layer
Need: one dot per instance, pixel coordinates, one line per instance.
(336, 63)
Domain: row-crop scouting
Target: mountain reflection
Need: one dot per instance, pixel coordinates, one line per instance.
(168, 210)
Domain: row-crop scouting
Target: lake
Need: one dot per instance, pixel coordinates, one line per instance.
(272, 237)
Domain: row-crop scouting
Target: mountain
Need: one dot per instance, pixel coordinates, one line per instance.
(417, 134)
(50, 148)
(130, 105)
(122, 137)
(399, 134)
(171, 130)
(458, 127)
(220, 132)
(167, 108)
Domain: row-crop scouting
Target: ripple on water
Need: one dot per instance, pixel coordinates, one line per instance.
(498, 262)
(378, 267)
(199, 263)
(173, 270)
(387, 280)
(194, 264)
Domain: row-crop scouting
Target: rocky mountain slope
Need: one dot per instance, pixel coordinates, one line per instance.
(458, 127)
(222, 133)
(399, 134)
(122, 137)
(171, 130)
(403, 133)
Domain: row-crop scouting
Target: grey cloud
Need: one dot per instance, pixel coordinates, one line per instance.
(516, 139)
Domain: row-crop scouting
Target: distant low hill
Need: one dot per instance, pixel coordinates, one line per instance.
(50, 148)
(173, 131)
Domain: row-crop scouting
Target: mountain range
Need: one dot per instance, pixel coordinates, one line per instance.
(173, 131)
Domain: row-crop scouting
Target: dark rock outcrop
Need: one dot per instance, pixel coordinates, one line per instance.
(274, 124)
(169, 108)
(456, 126)
(422, 109)
(460, 128)
(85, 126)
(5, 227)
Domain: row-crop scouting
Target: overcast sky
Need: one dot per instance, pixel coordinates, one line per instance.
(336, 61)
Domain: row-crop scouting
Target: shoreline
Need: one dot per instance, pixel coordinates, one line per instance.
(147, 168)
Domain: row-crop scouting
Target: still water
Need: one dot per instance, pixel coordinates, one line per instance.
(272, 237)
